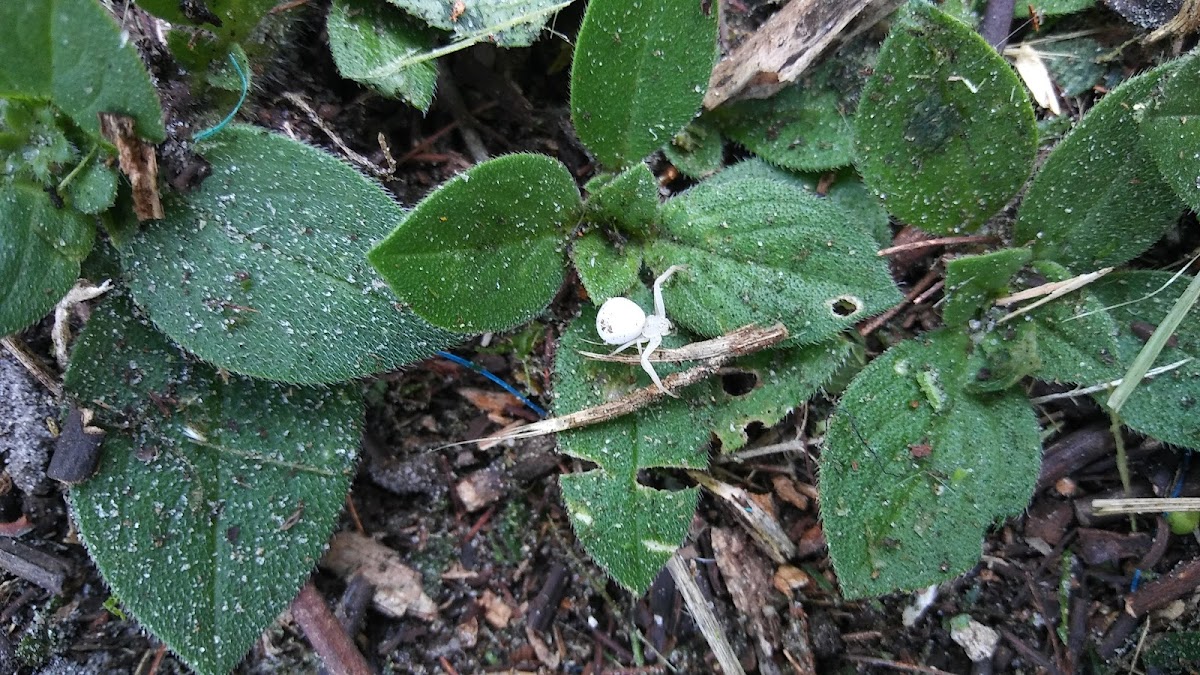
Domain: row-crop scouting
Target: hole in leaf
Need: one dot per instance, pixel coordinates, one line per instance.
(738, 382)
(845, 306)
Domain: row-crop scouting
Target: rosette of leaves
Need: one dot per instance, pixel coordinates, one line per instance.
(488, 250)
(65, 61)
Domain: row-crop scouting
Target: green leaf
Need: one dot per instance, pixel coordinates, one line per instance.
(632, 530)
(262, 270)
(214, 498)
(628, 202)
(1051, 7)
(945, 133)
(973, 281)
(605, 269)
(762, 250)
(1075, 335)
(94, 188)
(639, 75)
(1099, 200)
(807, 126)
(509, 23)
(367, 38)
(629, 530)
(798, 128)
(40, 252)
(198, 49)
(697, 149)
(484, 252)
(73, 53)
(915, 469)
(847, 191)
(1171, 131)
(1075, 65)
(1163, 407)
(782, 379)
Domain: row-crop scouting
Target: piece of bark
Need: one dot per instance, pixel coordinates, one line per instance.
(1100, 547)
(329, 640)
(44, 569)
(481, 489)
(77, 448)
(545, 604)
(1075, 451)
(398, 590)
(780, 50)
(1163, 591)
(137, 161)
(748, 576)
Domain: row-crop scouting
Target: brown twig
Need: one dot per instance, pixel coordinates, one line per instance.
(325, 634)
(940, 241)
(894, 665)
(874, 324)
(751, 339)
(30, 362)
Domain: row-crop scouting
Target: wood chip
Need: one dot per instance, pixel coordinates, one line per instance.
(480, 489)
(782, 48)
(747, 575)
(138, 162)
(398, 590)
(496, 611)
(44, 569)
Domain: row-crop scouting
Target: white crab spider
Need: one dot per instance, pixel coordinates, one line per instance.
(622, 322)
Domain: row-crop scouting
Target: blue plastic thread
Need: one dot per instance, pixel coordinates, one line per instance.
(504, 385)
(1175, 492)
(242, 99)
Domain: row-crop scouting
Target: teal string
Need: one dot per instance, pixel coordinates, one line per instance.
(245, 88)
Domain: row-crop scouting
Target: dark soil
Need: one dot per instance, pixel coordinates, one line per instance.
(514, 590)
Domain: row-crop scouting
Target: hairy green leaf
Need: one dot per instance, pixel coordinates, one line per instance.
(639, 75)
(94, 188)
(629, 201)
(605, 269)
(632, 530)
(508, 23)
(1099, 199)
(1171, 131)
(915, 469)
(40, 251)
(762, 250)
(944, 133)
(1165, 406)
(262, 270)
(1051, 7)
(214, 498)
(972, 281)
(72, 52)
(697, 150)
(485, 251)
(765, 387)
(629, 529)
(1075, 335)
(798, 128)
(368, 37)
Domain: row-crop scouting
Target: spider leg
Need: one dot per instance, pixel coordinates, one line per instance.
(659, 309)
(636, 341)
(653, 342)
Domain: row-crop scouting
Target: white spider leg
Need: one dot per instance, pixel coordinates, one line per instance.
(636, 341)
(652, 344)
(659, 309)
